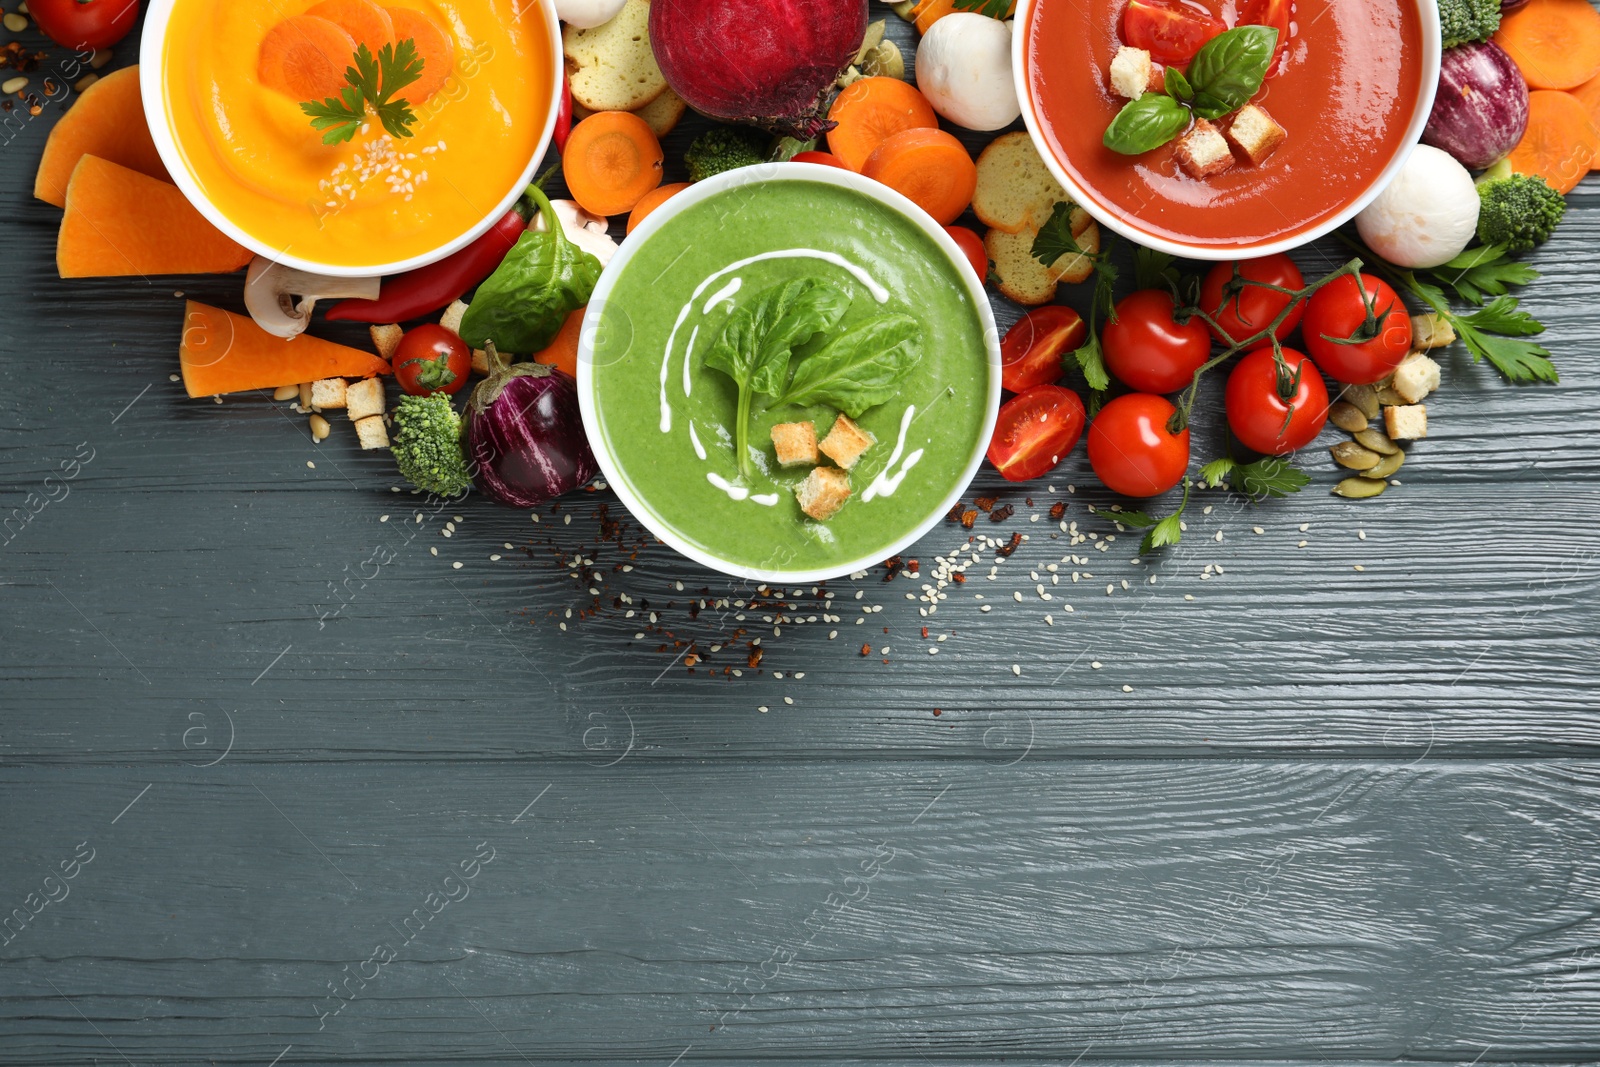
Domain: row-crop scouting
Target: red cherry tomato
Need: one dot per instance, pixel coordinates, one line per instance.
(85, 24)
(1035, 431)
(1357, 334)
(1031, 353)
(1261, 416)
(1245, 310)
(1172, 31)
(432, 359)
(1274, 13)
(1132, 451)
(969, 243)
(1146, 349)
(826, 159)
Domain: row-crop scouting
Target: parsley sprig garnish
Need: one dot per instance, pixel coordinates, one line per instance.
(372, 83)
(995, 9)
(1054, 241)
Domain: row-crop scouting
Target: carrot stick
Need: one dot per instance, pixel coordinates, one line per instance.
(226, 353)
(563, 351)
(1555, 43)
(652, 200)
(928, 167)
(434, 44)
(871, 111)
(1561, 142)
(364, 20)
(305, 57)
(612, 160)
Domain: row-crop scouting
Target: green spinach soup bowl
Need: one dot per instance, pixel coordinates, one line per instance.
(789, 373)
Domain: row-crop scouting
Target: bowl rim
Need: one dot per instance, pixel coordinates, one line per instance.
(710, 187)
(152, 85)
(1432, 52)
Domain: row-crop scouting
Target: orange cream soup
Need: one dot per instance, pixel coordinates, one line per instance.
(254, 154)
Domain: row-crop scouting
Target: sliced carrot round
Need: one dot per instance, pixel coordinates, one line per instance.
(652, 200)
(930, 168)
(612, 160)
(1588, 95)
(305, 57)
(364, 20)
(1561, 142)
(871, 111)
(1555, 43)
(434, 44)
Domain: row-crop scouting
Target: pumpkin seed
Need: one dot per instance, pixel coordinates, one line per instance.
(1349, 454)
(1348, 417)
(885, 61)
(873, 36)
(1378, 442)
(903, 8)
(1387, 395)
(1386, 466)
(1365, 398)
(1360, 488)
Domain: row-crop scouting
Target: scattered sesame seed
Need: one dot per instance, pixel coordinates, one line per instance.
(456, 565)
(762, 709)
(494, 557)
(1219, 535)
(1096, 664)
(788, 700)
(1127, 689)
(1302, 544)
(1016, 669)
(1359, 567)
(1188, 596)
(1257, 530)
(434, 551)
(310, 464)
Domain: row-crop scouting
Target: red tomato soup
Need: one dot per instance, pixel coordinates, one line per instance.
(1344, 92)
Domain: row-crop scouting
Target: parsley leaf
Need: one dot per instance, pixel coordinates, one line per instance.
(1055, 238)
(1269, 476)
(995, 9)
(1154, 270)
(372, 83)
(1216, 472)
(1054, 241)
(1482, 272)
(1158, 533)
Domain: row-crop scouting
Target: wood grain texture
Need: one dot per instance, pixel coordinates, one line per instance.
(1343, 816)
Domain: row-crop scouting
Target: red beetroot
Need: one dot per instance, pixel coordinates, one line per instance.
(768, 63)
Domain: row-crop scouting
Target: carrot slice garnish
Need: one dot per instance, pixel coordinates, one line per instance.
(612, 160)
(305, 57)
(652, 200)
(434, 44)
(928, 167)
(364, 20)
(1555, 43)
(871, 111)
(1561, 142)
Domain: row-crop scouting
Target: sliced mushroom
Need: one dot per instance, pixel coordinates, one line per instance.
(586, 231)
(281, 298)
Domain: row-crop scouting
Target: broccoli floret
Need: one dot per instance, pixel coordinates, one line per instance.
(1518, 211)
(1461, 21)
(724, 148)
(427, 445)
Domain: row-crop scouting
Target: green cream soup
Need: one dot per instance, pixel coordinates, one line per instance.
(670, 417)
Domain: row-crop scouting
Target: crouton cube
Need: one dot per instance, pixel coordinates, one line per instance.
(846, 442)
(364, 398)
(1203, 151)
(1253, 135)
(480, 362)
(1158, 79)
(1407, 423)
(1428, 330)
(1130, 72)
(796, 443)
(1416, 377)
(328, 394)
(451, 319)
(371, 432)
(823, 492)
(386, 339)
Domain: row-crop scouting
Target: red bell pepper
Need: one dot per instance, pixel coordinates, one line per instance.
(564, 115)
(427, 289)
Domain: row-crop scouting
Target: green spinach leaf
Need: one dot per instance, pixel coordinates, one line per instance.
(858, 370)
(1146, 123)
(1229, 68)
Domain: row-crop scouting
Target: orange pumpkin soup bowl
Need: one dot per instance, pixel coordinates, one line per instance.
(455, 107)
(1349, 90)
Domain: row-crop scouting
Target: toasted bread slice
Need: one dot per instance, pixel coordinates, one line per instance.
(663, 113)
(1015, 191)
(796, 444)
(846, 442)
(611, 67)
(1026, 280)
(823, 492)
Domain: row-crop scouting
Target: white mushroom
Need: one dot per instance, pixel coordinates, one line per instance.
(587, 14)
(1428, 213)
(281, 298)
(964, 69)
(586, 231)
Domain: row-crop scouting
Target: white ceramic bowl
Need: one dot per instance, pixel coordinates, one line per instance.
(1129, 227)
(152, 84)
(757, 175)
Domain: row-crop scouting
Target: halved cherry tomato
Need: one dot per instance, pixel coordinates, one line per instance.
(1172, 31)
(1147, 349)
(971, 244)
(826, 159)
(1035, 431)
(1274, 13)
(1131, 450)
(1357, 334)
(1031, 353)
(1245, 310)
(432, 359)
(1261, 416)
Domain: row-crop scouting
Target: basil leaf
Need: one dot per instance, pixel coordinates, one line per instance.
(758, 338)
(1148, 122)
(523, 304)
(1229, 68)
(1178, 86)
(858, 370)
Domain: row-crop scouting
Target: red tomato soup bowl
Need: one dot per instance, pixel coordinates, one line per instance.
(1350, 92)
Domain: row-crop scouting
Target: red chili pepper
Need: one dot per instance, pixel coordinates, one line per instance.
(564, 115)
(427, 289)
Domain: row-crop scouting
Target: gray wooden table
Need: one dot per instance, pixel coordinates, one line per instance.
(338, 784)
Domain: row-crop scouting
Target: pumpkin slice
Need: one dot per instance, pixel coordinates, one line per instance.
(120, 222)
(107, 121)
(222, 352)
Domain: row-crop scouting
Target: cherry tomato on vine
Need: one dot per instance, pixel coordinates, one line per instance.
(1245, 310)
(1172, 31)
(966, 240)
(432, 359)
(1147, 349)
(1261, 415)
(1357, 334)
(1035, 431)
(1131, 449)
(85, 24)
(1031, 353)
